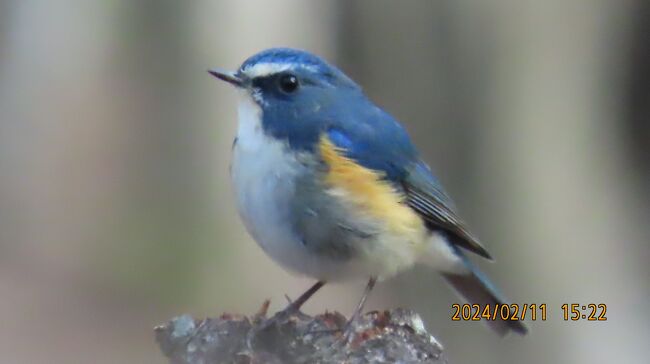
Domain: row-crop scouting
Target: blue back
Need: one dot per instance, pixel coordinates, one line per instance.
(367, 134)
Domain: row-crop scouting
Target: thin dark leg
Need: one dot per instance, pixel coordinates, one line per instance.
(295, 305)
(362, 302)
(281, 316)
(349, 327)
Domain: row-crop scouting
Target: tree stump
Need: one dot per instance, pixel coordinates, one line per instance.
(390, 336)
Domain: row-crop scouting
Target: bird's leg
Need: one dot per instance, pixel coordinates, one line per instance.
(295, 305)
(349, 327)
(282, 316)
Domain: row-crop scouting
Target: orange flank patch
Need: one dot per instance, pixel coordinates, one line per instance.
(368, 192)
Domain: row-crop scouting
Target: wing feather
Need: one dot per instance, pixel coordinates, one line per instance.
(375, 140)
(425, 195)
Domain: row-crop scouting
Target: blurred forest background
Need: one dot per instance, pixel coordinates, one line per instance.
(116, 206)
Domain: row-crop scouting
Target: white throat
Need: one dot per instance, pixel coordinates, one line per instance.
(250, 134)
(263, 174)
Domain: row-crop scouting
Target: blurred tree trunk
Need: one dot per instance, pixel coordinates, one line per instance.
(638, 92)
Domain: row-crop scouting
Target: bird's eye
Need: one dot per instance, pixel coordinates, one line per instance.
(289, 83)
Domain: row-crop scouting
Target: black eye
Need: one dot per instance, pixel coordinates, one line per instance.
(289, 83)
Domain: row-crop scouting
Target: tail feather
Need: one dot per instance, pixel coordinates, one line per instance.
(476, 288)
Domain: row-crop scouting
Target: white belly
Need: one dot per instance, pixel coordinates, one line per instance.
(263, 175)
(263, 184)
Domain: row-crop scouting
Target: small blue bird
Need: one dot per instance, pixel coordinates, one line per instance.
(331, 186)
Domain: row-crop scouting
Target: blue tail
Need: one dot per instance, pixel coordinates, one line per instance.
(476, 288)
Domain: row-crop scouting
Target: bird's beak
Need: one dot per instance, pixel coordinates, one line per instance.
(228, 76)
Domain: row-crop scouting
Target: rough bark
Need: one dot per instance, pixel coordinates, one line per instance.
(391, 336)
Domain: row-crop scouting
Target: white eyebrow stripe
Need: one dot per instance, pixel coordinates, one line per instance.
(268, 68)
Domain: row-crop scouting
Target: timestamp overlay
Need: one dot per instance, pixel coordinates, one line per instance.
(528, 312)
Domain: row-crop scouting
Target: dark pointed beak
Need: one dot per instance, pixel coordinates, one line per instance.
(228, 76)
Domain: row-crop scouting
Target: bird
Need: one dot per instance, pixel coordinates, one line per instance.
(332, 187)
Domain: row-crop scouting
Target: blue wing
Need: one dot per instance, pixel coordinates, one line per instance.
(376, 141)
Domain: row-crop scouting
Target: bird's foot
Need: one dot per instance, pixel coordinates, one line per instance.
(347, 331)
(278, 318)
(350, 329)
(262, 324)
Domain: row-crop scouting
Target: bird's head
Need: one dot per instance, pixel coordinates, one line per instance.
(295, 91)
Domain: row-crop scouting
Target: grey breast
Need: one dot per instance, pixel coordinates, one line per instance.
(323, 223)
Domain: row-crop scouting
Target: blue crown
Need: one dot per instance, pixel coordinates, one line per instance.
(303, 59)
(287, 55)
